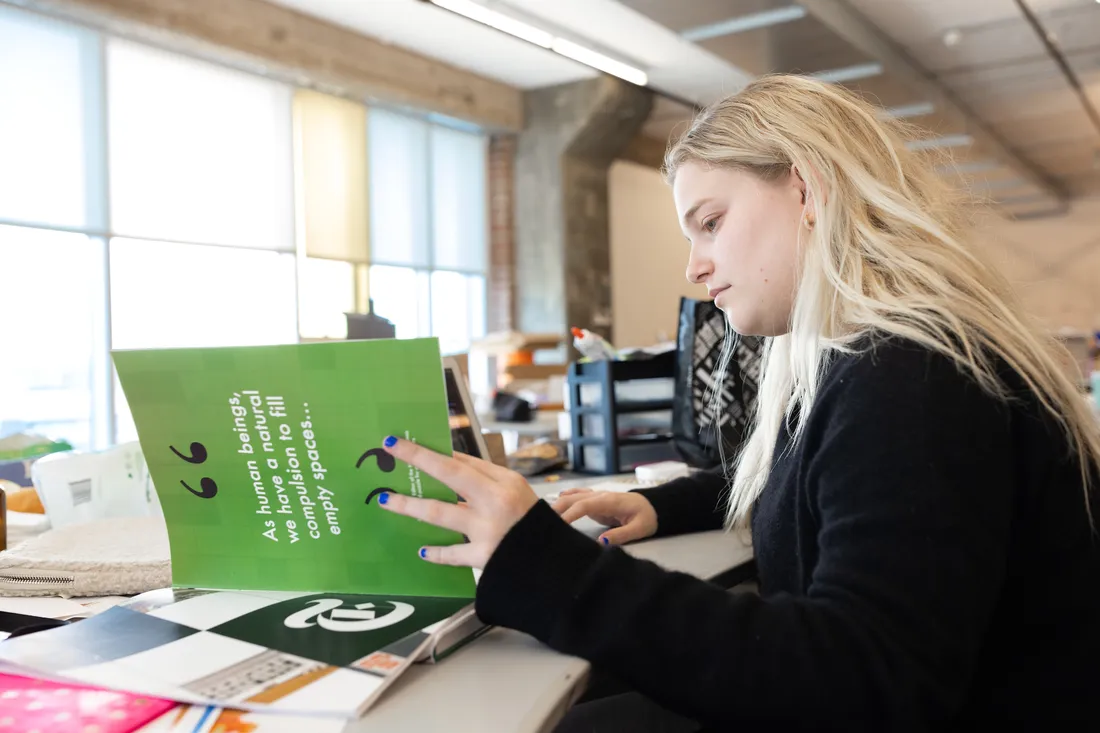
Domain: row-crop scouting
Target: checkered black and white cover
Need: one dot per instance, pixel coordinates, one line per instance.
(309, 653)
(704, 408)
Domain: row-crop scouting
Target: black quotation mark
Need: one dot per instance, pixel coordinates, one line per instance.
(198, 456)
(386, 464)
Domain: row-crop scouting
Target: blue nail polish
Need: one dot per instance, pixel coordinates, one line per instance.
(423, 552)
(383, 497)
(602, 539)
(390, 442)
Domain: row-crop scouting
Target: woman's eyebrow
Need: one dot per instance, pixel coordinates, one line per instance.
(691, 212)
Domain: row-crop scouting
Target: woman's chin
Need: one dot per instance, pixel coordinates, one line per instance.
(738, 321)
(749, 327)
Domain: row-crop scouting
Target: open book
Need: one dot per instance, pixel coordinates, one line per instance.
(292, 590)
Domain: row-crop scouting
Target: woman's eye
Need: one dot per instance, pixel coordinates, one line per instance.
(710, 224)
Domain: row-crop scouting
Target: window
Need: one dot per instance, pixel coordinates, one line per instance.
(429, 239)
(401, 294)
(198, 153)
(54, 344)
(327, 290)
(48, 77)
(152, 200)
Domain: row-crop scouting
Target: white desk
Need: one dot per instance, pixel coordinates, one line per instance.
(506, 682)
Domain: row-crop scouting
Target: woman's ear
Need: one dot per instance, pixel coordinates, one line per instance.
(799, 183)
(809, 215)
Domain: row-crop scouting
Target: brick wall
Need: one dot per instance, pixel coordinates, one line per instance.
(500, 313)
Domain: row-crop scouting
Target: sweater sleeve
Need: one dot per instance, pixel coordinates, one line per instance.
(689, 504)
(911, 481)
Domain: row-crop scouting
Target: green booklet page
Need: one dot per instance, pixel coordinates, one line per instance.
(267, 461)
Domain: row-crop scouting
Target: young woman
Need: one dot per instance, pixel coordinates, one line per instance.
(918, 482)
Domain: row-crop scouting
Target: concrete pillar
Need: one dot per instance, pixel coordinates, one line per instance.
(562, 257)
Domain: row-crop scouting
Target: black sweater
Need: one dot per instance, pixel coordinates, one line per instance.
(925, 563)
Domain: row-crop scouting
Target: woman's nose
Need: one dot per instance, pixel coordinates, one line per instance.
(699, 268)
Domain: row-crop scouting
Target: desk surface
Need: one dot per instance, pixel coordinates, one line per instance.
(507, 681)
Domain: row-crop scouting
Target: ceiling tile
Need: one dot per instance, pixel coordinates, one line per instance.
(680, 16)
(801, 46)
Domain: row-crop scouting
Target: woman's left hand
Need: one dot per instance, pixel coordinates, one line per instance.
(496, 499)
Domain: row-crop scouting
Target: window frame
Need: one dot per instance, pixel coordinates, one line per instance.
(98, 228)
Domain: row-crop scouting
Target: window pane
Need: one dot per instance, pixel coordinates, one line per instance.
(43, 119)
(51, 339)
(198, 153)
(478, 298)
(330, 153)
(458, 310)
(326, 291)
(177, 295)
(400, 295)
(398, 161)
(180, 295)
(459, 199)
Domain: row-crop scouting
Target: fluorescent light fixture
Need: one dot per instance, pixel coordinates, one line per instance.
(969, 167)
(539, 37)
(909, 110)
(597, 60)
(848, 73)
(744, 23)
(500, 21)
(947, 141)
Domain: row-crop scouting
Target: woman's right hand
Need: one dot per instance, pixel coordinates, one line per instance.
(630, 515)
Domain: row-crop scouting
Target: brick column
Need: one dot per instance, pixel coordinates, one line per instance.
(562, 247)
(500, 306)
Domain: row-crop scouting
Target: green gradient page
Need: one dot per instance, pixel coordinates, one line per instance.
(264, 458)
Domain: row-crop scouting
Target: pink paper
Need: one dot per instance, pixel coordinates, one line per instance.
(28, 704)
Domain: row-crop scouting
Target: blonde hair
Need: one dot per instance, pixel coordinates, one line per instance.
(888, 254)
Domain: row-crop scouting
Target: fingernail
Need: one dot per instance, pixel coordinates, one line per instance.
(602, 539)
(383, 497)
(390, 441)
(423, 552)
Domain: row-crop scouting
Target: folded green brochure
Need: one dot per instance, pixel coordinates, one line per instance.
(267, 459)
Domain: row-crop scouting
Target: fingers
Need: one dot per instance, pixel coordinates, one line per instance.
(603, 504)
(574, 492)
(439, 513)
(467, 555)
(567, 499)
(629, 532)
(462, 478)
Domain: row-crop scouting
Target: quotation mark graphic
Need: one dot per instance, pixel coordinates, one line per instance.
(198, 456)
(385, 461)
(386, 464)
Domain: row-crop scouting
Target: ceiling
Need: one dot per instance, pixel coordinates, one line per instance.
(973, 72)
(981, 77)
(1001, 70)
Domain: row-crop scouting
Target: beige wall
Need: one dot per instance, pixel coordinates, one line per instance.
(1054, 262)
(648, 257)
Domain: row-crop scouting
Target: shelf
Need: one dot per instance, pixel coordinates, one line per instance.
(624, 407)
(645, 439)
(643, 406)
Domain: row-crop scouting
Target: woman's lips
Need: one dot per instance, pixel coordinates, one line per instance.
(713, 292)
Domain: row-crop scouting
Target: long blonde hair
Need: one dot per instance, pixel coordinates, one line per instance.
(889, 253)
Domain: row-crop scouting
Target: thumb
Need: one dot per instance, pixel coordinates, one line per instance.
(632, 530)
